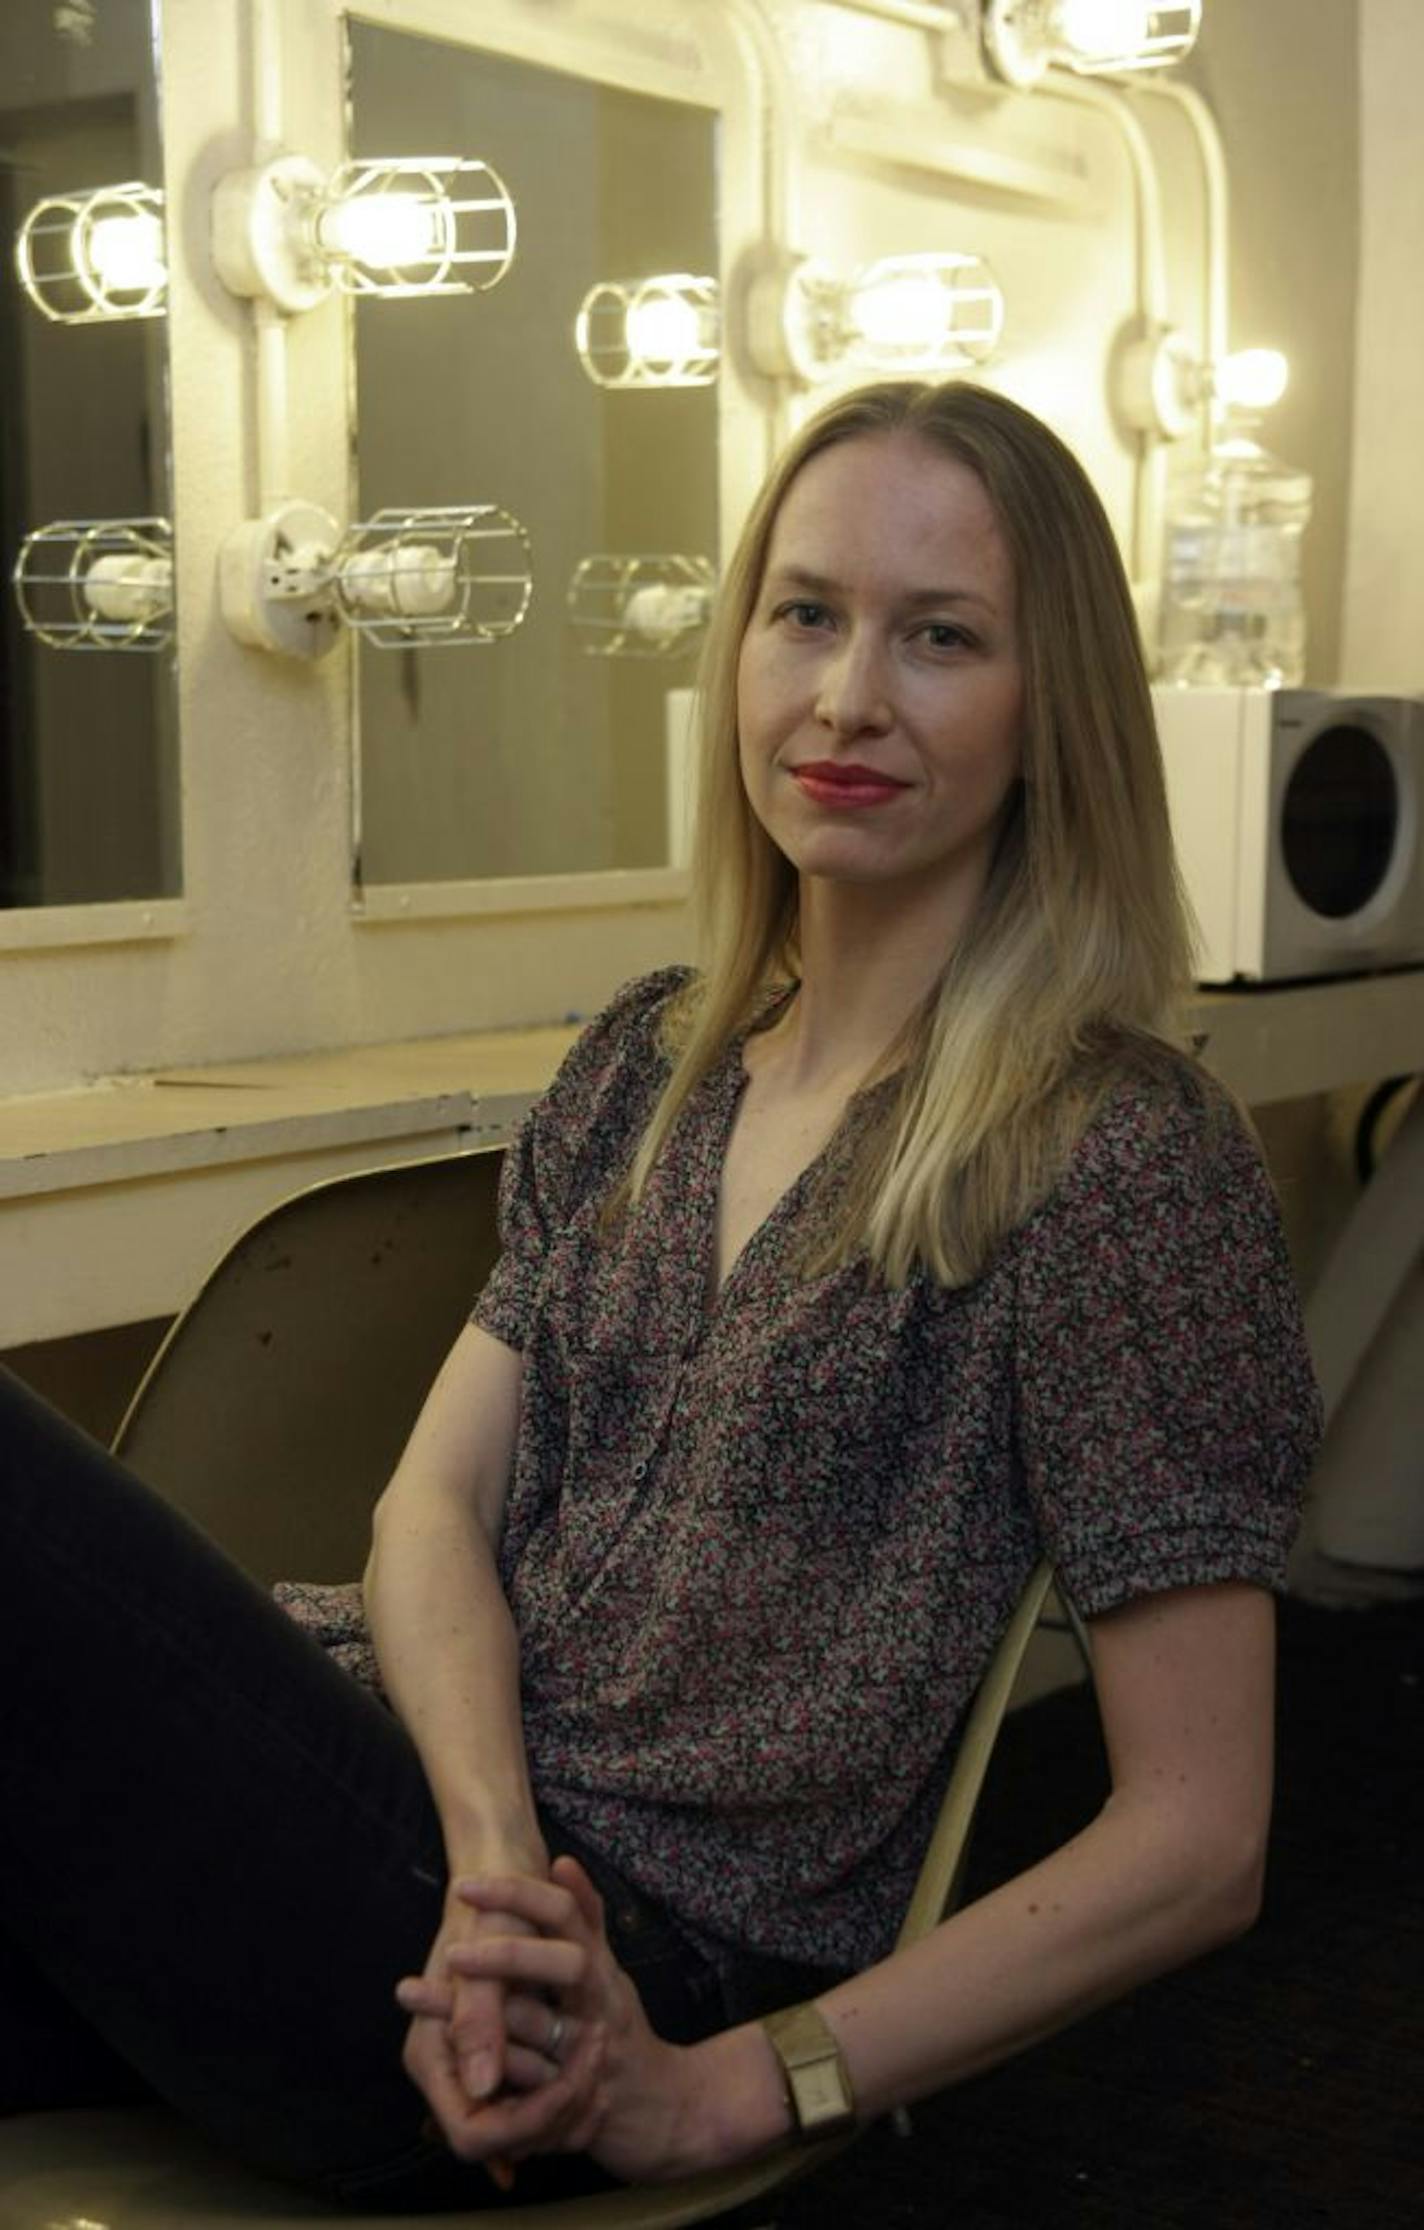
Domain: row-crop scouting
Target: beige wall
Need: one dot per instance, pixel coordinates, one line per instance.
(1282, 77)
(270, 958)
(1384, 579)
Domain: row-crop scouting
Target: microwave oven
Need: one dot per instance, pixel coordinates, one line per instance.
(1296, 818)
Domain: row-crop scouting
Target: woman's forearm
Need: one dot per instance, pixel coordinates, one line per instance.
(1124, 1901)
(1170, 1866)
(441, 1626)
(450, 1661)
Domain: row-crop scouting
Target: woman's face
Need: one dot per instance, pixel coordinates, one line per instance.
(879, 690)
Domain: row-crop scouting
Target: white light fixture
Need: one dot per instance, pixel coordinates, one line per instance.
(408, 226)
(640, 606)
(1251, 379)
(97, 584)
(93, 257)
(664, 331)
(445, 577)
(903, 314)
(1095, 38)
(1163, 385)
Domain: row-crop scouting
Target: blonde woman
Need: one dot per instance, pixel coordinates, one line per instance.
(841, 1280)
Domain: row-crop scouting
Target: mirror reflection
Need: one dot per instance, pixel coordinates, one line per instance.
(544, 753)
(89, 800)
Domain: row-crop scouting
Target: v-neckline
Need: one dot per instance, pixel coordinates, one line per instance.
(734, 1077)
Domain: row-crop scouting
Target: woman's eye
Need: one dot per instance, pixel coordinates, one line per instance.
(943, 634)
(803, 613)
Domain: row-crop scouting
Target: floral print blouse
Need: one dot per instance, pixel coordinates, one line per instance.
(759, 1547)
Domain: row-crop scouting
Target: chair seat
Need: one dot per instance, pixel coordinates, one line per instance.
(132, 2169)
(142, 2169)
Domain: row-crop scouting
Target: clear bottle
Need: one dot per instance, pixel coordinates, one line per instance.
(1231, 610)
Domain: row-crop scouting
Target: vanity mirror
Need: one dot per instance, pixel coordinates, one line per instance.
(580, 395)
(89, 791)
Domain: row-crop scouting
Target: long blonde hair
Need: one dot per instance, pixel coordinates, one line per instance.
(1072, 966)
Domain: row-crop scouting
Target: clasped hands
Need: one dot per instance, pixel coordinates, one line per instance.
(527, 2037)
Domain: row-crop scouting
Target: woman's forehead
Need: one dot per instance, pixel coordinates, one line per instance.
(896, 505)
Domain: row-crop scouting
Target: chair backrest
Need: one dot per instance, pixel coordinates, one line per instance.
(277, 1406)
(937, 1889)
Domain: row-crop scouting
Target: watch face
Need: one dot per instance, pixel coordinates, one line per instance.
(816, 2074)
(822, 2095)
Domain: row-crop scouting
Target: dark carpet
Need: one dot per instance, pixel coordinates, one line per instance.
(1280, 2080)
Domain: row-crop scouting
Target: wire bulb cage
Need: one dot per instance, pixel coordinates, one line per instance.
(664, 331)
(922, 313)
(97, 584)
(441, 578)
(640, 606)
(426, 225)
(1094, 38)
(438, 578)
(903, 314)
(94, 257)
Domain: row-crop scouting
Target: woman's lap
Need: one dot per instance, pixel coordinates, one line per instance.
(219, 1849)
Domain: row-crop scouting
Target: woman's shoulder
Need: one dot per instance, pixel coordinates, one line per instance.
(1166, 1139)
(618, 1055)
(633, 1023)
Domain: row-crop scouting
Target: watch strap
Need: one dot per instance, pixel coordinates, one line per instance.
(817, 2078)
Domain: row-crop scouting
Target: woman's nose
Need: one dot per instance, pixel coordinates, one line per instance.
(854, 688)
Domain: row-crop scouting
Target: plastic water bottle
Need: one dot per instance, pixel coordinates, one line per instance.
(1231, 611)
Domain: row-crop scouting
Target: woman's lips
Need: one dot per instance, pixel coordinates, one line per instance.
(827, 782)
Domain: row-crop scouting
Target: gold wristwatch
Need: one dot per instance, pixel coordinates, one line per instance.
(817, 2078)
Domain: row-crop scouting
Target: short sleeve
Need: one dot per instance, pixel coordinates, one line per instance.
(576, 1139)
(1166, 1408)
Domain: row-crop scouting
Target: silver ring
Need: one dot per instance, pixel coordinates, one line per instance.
(556, 2039)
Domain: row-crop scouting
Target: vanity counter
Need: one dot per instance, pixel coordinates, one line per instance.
(116, 1198)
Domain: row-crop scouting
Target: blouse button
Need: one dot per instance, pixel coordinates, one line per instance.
(640, 1469)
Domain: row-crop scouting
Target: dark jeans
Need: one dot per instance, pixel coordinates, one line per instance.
(218, 1852)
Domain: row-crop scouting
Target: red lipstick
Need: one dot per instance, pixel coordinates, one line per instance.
(844, 784)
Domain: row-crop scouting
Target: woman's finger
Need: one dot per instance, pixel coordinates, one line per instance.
(544, 1904)
(574, 1878)
(420, 1994)
(431, 2067)
(538, 1960)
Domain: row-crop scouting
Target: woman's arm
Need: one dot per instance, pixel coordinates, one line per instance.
(441, 1627)
(450, 1662)
(1170, 1866)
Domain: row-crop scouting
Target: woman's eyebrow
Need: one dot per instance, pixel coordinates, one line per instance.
(918, 599)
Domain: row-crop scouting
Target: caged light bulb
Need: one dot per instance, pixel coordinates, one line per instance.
(127, 254)
(1023, 38)
(923, 313)
(95, 256)
(1252, 378)
(388, 231)
(1096, 30)
(663, 330)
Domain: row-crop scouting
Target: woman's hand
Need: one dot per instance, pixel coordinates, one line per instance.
(459, 2051)
(598, 2079)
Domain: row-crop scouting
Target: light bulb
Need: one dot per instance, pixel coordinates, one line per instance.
(662, 330)
(1099, 30)
(1023, 38)
(1252, 378)
(923, 313)
(405, 579)
(386, 231)
(126, 254)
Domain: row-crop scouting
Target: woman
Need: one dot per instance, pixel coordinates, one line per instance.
(837, 1284)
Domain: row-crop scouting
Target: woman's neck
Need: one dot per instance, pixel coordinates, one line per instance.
(869, 959)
